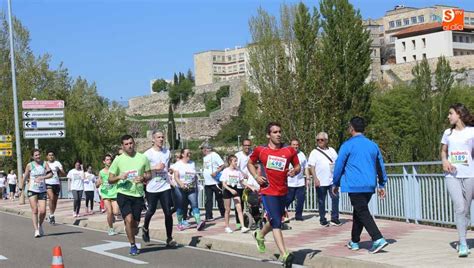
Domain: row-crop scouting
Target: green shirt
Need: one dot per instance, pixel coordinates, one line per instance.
(107, 190)
(135, 166)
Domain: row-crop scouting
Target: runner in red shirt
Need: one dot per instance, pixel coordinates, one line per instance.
(274, 160)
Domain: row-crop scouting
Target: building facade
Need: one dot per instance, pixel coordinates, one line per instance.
(220, 65)
(430, 41)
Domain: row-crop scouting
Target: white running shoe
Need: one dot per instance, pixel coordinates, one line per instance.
(228, 230)
(37, 234)
(244, 229)
(112, 232)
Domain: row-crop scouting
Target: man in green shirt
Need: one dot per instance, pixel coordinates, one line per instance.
(129, 171)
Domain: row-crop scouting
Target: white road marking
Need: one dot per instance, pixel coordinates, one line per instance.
(110, 245)
(2, 258)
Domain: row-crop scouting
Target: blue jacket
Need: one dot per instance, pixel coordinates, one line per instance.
(357, 166)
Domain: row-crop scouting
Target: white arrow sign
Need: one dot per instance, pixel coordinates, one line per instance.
(44, 134)
(43, 124)
(102, 248)
(43, 114)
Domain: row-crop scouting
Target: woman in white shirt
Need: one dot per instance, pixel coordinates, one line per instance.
(231, 179)
(89, 189)
(76, 179)
(12, 184)
(456, 154)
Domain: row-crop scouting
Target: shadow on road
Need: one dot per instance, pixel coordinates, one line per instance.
(63, 233)
(470, 243)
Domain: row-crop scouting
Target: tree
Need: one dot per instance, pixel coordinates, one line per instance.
(173, 141)
(175, 79)
(160, 85)
(190, 76)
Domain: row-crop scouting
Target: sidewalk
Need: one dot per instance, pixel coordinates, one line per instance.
(411, 245)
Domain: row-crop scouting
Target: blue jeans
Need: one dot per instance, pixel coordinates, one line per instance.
(192, 197)
(322, 191)
(300, 194)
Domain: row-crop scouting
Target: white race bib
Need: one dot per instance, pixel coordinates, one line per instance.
(276, 163)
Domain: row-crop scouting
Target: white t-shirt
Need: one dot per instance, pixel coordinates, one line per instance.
(242, 161)
(460, 148)
(324, 168)
(37, 171)
(159, 179)
(211, 162)
(53, 166)
(186, 172)
(89, 181)
(76, 177)
(11, 178)
(232, 177)
(2, 182)
(298, 179)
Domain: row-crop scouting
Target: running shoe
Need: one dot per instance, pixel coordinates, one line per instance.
(324, 223)
(378, 245)
(146, 235)
(112, 232)
(244, 230)
(463, 251)
(260, 241)
(353, 246)
(238, 226)
(336, 222)
(134, 251)
(287, 260)
(40, 229)
(228, 230)
(171, 243)
(185, 224)
(74, 215)
(285, 220)
(52, 220)
(201, 225)
(37, 234)
(180, 227)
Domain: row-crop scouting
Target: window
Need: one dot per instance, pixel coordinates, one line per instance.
(413, 20)
(455, 53)
(229, 58)
(421, 19)
(414, 44)
(234, 57)
(466, 20)
(468, 53)
(406, 21)
(375, 53)
(424, 55)
(468, 39)
(423, 40)
(241, 56)
(404, 59)
(461, 39)
(455, 38)
(414, 57)
(404, 46)
(391, 24)
(472, 21)
(392, 39)
(399, 23)
(241, 67)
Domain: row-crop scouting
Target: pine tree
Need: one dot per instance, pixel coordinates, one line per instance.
(174, 143)
(175, 80)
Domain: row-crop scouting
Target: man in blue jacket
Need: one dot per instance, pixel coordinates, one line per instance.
(357, 167)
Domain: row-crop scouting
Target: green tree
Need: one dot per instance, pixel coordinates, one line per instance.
(173, 141)
(190, 76)
(160, 85)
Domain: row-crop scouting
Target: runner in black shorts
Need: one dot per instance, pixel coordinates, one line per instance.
(53, 185)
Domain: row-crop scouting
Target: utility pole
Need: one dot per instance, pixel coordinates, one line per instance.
(181, 115)
(15, 107)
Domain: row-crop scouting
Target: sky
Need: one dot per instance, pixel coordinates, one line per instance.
(122, 44)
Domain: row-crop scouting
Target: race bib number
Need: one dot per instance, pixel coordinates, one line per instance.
(459, 157)
(160, 176)
(86, 181)
(276, 163)
(189, 177)
(132, 174)
(233, 180)
(77, 177)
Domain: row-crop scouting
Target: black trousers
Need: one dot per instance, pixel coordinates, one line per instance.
(209, 190)
(165, 201)
(89, 198)
(361, 217)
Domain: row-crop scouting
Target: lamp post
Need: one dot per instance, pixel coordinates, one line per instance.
(238, 142)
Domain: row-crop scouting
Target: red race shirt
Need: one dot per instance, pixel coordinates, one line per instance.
(274, 166)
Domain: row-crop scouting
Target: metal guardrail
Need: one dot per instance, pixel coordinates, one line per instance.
(411, 195)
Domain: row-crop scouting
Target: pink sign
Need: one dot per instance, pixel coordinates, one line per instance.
(43, 104)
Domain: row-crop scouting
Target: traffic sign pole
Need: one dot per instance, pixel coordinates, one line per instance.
(15, 105)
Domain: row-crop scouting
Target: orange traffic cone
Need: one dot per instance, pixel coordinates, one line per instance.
(57, 258)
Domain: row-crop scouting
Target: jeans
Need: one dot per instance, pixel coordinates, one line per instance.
(165, 201)
(300, 194)
(361, 217)
(77, 195)
(209, 190)
(89, 198)
(322, 192)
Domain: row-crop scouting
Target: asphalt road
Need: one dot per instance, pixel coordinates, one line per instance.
(81, 247)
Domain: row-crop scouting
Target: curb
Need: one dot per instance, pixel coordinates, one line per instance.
(306, 257)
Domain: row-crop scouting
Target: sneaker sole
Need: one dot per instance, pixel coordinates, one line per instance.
(351, 248)
(335, 224)
(379, 248)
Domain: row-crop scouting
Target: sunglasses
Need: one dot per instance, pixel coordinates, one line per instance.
(320, 139)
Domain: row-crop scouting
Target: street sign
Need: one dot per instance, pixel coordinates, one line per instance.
(43, 104)
(6, 145)
(43, 114)
(6, 138)
(44, 134)
(43, 124)
(5, 152)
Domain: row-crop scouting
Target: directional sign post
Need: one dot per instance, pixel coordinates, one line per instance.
(6, 138)
(43, 104)
(44, 134)
(6, 145)
(43, 114)
(6, 153)
(43, 124)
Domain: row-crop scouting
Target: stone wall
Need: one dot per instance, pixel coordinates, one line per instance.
(157, 103)
(462, 65)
